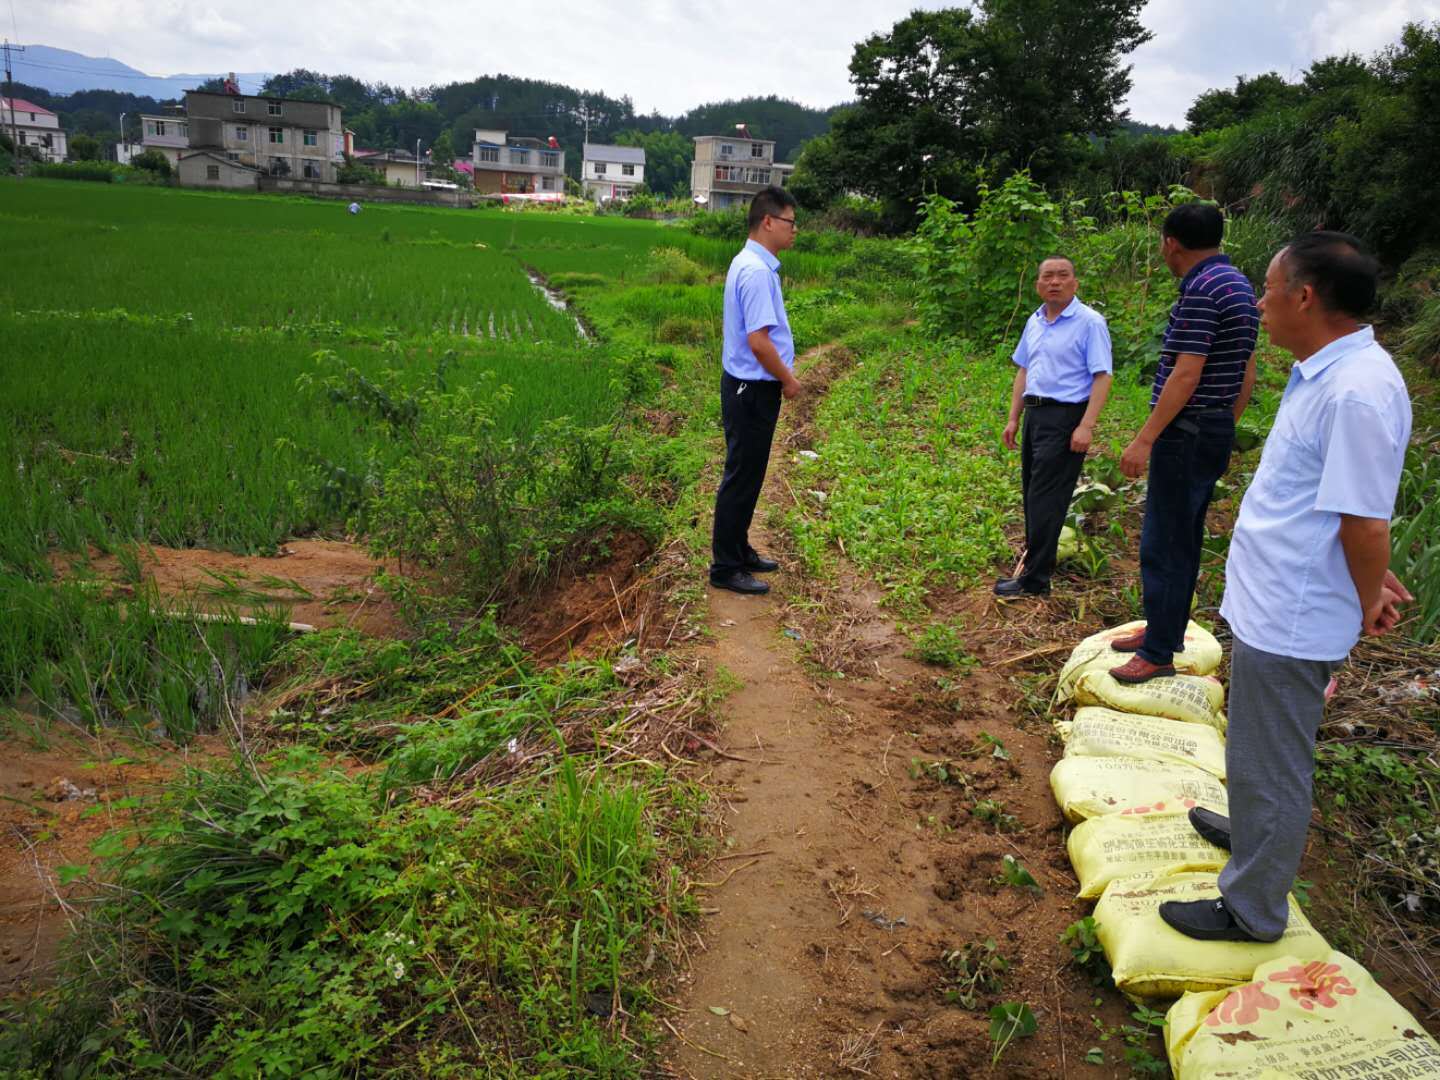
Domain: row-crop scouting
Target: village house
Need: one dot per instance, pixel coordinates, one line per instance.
(273, 136)
(399, 167)
(35, 126)
(611, 172)
(168, 133)
(728, 170)
(507, 164)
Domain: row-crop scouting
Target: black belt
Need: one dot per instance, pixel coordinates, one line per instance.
(1032, 400)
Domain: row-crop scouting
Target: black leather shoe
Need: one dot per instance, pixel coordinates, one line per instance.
(1211, 826)
(759, 564)
(1205, 920)
(740, 581)
(1014, 587)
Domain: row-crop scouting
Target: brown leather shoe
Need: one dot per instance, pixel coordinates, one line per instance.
(1132, 643)
(1139, 670)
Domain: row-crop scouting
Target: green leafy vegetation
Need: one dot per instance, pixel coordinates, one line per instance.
(973, 971)
(1009, 1021)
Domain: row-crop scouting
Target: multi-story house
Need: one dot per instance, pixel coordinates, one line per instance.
(276, 136)
(511, 165)
(34, 126)
(729, 170)
(168, 133)
(611, 172)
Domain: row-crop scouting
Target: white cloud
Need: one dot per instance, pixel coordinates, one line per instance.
(1340, 26)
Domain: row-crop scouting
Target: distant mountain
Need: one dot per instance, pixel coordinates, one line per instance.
(64, 72)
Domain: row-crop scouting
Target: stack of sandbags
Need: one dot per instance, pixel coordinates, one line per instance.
(1299, 1016)
(1201, 655)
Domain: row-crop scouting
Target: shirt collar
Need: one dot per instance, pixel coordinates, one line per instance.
(759, 249)
(1341, 347)
(1071, 309)
(1203, 264)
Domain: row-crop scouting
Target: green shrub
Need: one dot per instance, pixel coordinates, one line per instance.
(98, 171)
(152, 161)
(671, 266)
(682, 330)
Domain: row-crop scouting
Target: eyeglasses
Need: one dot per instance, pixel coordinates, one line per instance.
(788, 221)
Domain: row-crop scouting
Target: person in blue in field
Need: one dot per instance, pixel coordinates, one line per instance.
(1203, 384)
(1062, 378)
(758, 361)
(1308, 572)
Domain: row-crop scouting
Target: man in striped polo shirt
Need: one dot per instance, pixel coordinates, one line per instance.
(1207, 370)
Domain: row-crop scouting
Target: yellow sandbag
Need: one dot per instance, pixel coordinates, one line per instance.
(1200, 655)
(1087, 787)
(1298, 1018)
(1152, 961)
(1126, 845)
(1195, 699)
(1097, 732)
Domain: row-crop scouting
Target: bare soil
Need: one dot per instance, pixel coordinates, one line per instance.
(335, 579)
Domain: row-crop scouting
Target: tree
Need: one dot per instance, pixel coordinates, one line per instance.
(949, 97)
(152, 161)
(84, 148)
(442, 151)
(1216, 109)
(668, 155)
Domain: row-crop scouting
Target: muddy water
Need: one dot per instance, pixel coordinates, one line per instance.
(558, 302)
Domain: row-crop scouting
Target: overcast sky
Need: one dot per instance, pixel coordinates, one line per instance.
(668, 55)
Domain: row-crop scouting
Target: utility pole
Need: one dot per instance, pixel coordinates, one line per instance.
(10, 97)
(123, 141)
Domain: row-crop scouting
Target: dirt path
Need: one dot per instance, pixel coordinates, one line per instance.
(849, 870)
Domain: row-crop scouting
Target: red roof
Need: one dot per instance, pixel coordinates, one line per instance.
(21, 105)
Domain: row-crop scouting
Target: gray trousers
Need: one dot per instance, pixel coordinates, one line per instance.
(1276, 705)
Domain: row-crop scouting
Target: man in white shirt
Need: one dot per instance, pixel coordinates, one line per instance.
(1308, 572)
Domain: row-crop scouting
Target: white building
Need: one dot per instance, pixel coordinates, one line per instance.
(168, 133)
(611, 172)
(34, 125)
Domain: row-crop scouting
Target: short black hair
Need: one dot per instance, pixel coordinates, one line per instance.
(1344, 276)
(1196, 226)
(771, 201)
(1057, 258)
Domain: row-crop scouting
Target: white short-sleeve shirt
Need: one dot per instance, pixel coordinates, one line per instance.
(1337, 447)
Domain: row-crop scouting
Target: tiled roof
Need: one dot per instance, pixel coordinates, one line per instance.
(623, 155)
(21, 105)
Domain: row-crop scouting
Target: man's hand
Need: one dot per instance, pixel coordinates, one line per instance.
(1080, 438)
(1011, 429)
(1384, 614)
(791, 388)
(1136, 458)
(1392, 583)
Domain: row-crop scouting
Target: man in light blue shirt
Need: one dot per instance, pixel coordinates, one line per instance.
(1062, 378)
(1308, 573)
(758, 361)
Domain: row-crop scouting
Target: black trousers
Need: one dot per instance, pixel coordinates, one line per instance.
(748, 411)
(1048, 471)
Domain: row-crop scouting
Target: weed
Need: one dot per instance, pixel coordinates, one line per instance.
(1015, 875)
(1086, 952)
(942, 772)
(992, 812)
(940, 644)
(997, 748)
(1008, 1022)
(972, 971)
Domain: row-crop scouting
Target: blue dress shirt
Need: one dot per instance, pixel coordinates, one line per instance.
(753, 302)
(1062, 358)
(1337, 447)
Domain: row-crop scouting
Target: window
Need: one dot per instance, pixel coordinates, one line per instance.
(757, 150)
(599, 168)
(238, 105)
(722, 172)
(519, 157)
(758, 176)
(212, 172)
(150, 127)
(22, 139)
(273, 108)
(490, 153)
(185, 131)
(278, 167)
(628, 170)
(242, 133)
(550, 159)
(727, 150)
(312, 138)
(32, 118)
(312, 171)
(277, 136)
(231, 155)
(547, 183)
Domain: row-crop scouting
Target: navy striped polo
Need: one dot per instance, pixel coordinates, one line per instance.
(1216, 318)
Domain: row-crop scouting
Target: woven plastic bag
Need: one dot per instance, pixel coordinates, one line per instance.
(1299, 1018)
(1194, 699)
(1152, 961)
(1126, 845)
(1200, 655)
(1100, 732)
(1087, 787)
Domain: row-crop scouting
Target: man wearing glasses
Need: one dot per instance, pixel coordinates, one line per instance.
(758, 358)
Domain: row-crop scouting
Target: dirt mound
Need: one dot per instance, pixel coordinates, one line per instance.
(597, 604)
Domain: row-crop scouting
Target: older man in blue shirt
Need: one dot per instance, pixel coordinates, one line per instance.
(758, 361)
(1308, 573)
(1063, 376)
